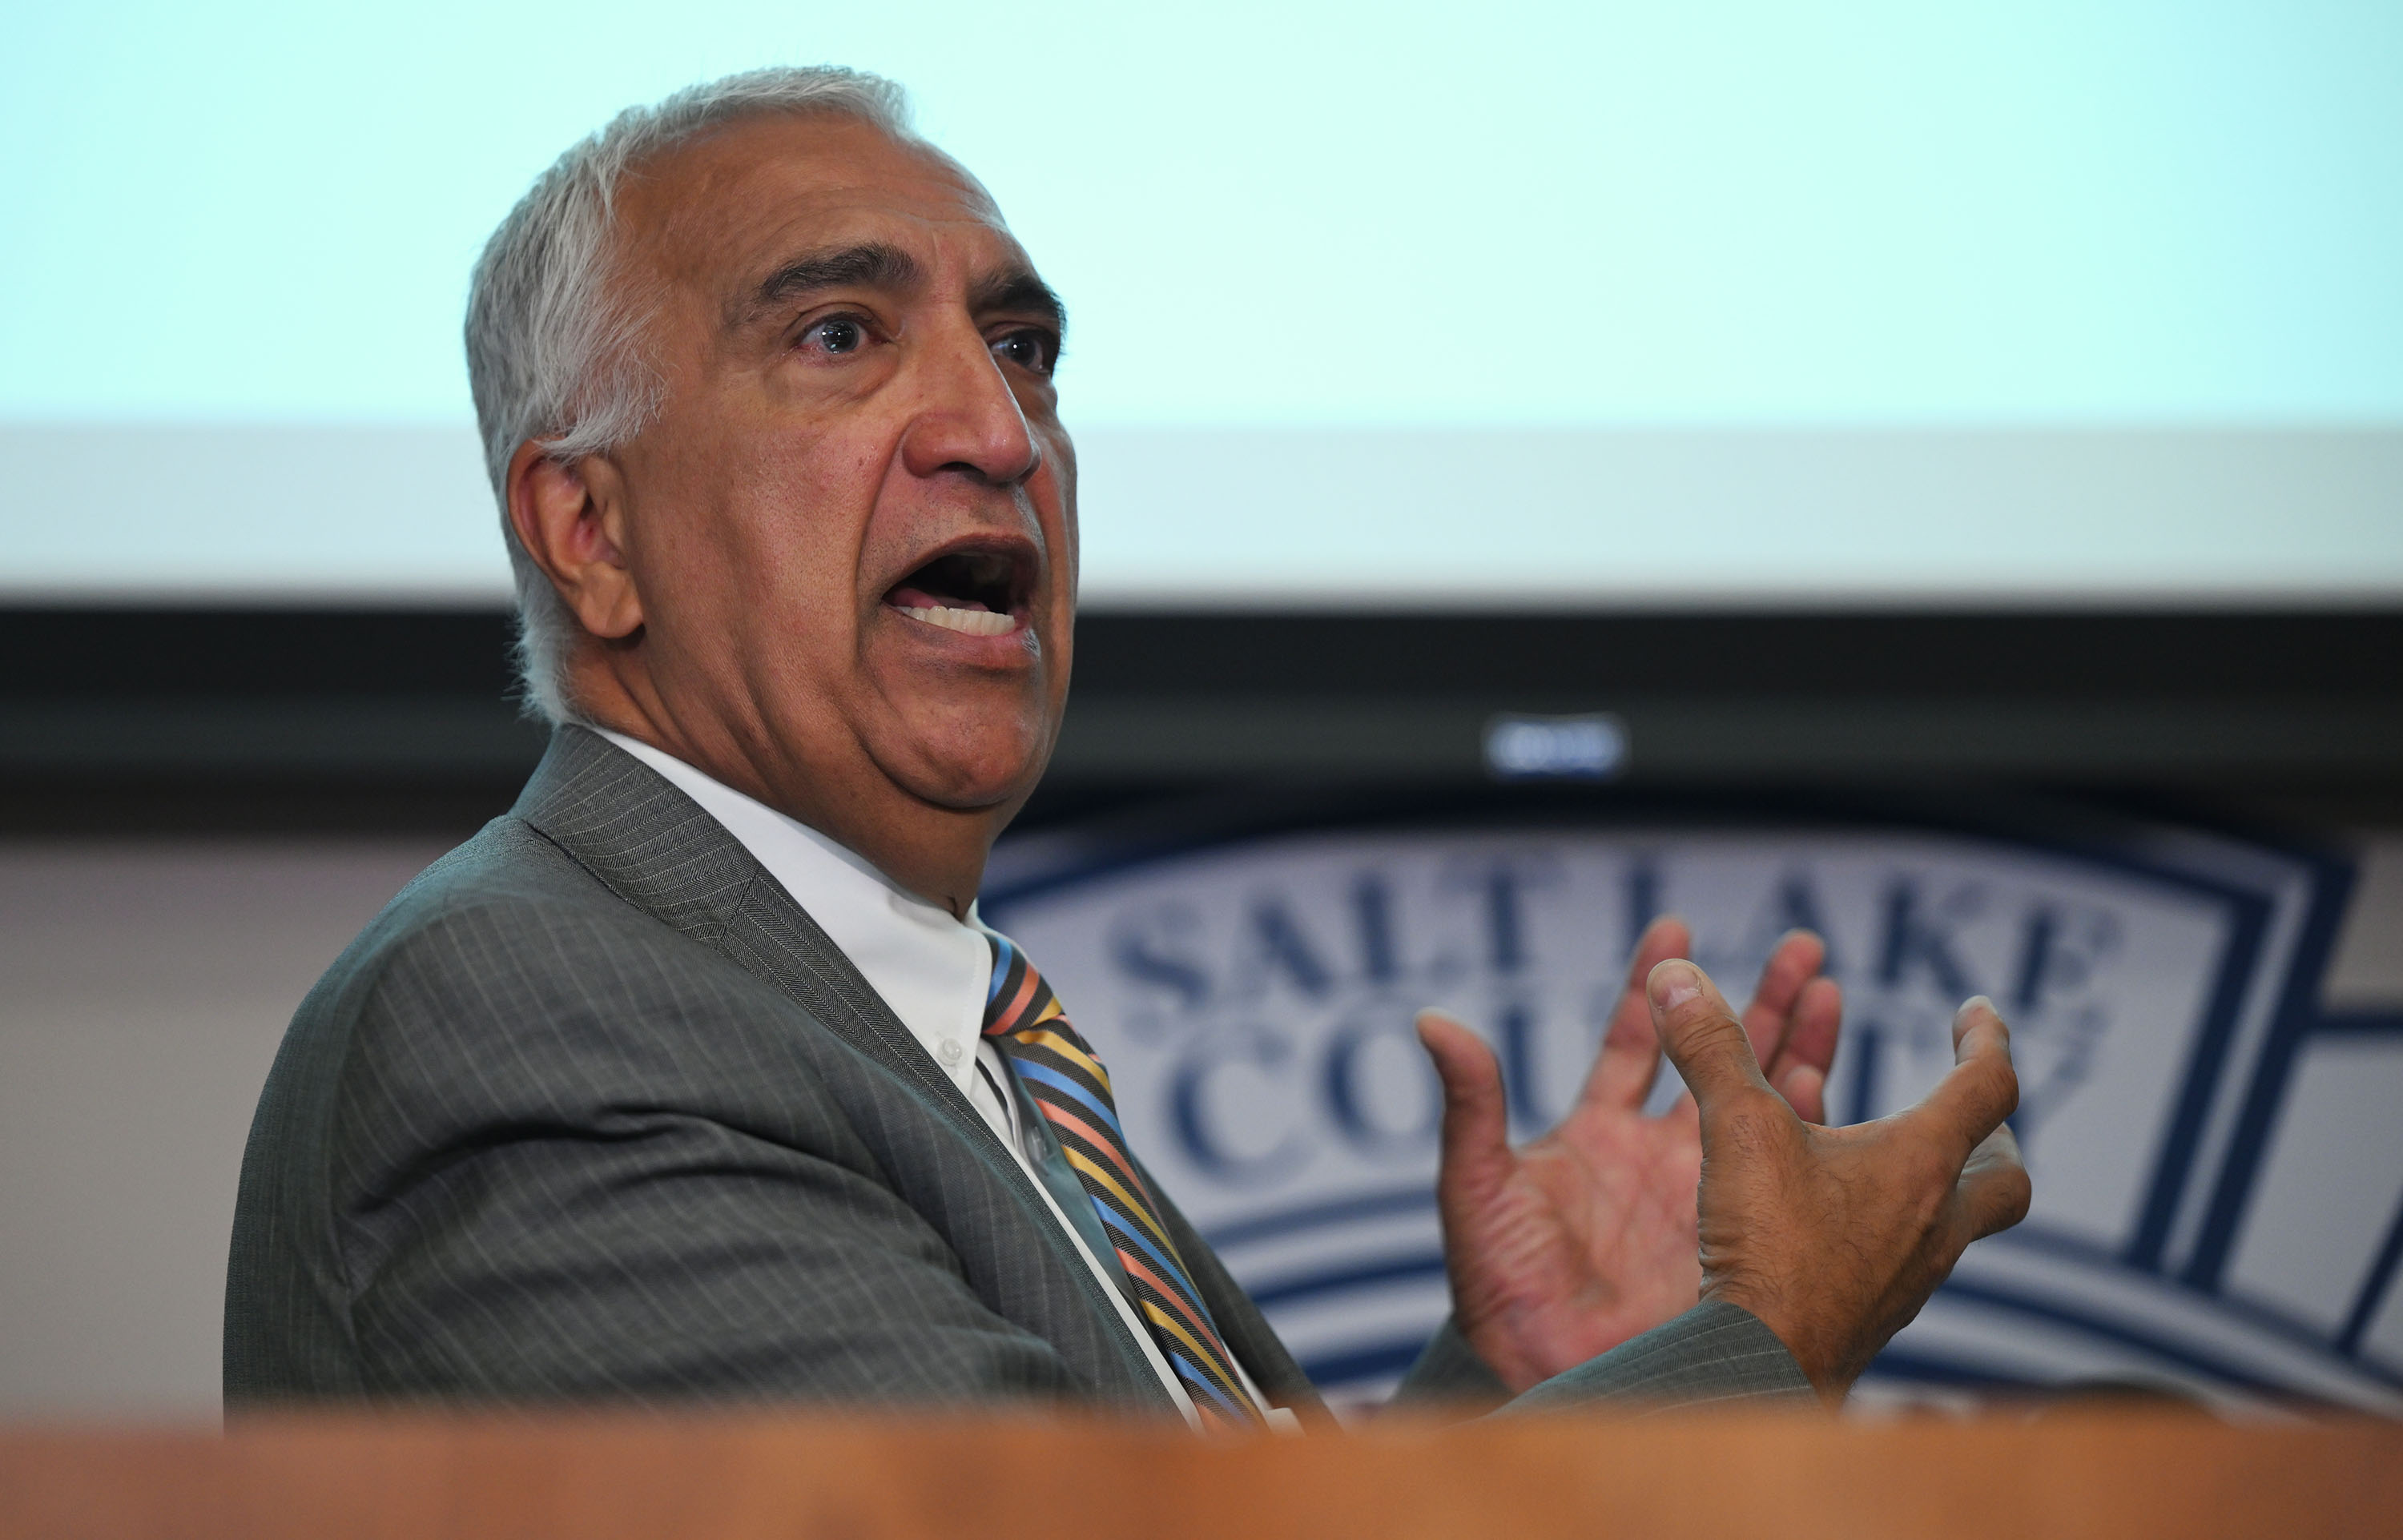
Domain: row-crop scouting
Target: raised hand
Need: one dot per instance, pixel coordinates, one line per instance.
(1835, 1237)
(1587, 1237)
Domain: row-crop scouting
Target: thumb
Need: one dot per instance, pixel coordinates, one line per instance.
(1701, 1035)
(1476, 1119)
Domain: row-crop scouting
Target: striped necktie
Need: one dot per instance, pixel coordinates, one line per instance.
(1062, 1076)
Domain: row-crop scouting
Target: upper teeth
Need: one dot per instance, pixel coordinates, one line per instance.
(974, 622)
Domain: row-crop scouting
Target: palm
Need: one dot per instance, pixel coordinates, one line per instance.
(1586, 1237)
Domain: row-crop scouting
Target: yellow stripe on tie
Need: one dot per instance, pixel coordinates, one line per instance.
(1066, 1049)
(1073, 1049)
(1202, 1355)
(1142, 1210)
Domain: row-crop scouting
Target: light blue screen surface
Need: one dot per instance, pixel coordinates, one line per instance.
(1451, 219)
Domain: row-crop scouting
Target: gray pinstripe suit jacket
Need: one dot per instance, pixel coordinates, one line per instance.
(593, 1110)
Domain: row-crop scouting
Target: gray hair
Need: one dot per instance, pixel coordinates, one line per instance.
(554, 355)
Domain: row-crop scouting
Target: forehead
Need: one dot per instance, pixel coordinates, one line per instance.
(717, 212)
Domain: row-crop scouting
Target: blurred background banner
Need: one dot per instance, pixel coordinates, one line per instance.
(2217, 1170)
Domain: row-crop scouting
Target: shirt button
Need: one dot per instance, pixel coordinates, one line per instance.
(949, 1051)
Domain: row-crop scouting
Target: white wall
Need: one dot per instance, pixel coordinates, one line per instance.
(144, 986)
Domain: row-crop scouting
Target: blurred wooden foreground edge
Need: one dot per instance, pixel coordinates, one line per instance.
(733, 1477)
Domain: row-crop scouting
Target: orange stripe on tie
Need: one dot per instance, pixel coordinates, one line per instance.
(1062, 1117)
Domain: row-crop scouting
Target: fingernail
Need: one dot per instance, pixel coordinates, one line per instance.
(1674, 982)
(1973, 1003)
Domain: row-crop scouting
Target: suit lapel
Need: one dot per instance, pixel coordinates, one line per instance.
(660, 851)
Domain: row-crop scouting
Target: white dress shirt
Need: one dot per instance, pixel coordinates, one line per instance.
(932, 969)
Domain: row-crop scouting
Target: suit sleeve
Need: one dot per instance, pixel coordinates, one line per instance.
(562, 1167)
(1715, 1355)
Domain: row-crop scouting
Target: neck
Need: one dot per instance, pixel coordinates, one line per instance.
(937, 853)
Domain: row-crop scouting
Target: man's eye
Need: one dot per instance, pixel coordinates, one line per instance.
(836, 334)
(1032, 351)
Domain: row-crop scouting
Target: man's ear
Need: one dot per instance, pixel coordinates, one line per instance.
(572, 518)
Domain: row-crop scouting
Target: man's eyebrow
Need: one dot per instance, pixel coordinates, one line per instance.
(1019, 290)
(873, 265)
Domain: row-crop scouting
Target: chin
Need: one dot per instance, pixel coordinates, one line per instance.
(972, 775)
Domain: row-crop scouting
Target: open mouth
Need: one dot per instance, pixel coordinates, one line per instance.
(975, 592)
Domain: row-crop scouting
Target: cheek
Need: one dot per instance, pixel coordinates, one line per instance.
(1055, 494)
(798, 531)
(757, 564)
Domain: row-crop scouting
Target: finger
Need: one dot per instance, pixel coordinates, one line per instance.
(1993, 1185)
(1476, 1138)
(1805, 1091)
(1982, 1089)
(1793, 963)
(1702, 1037)
(1810, 1046)
(1630, 1060)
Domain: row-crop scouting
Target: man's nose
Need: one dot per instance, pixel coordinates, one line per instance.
(967, 421)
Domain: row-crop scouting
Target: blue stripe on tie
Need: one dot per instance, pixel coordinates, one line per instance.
(1167, 1269)
(1066, 1087)
(1192, 1376)
(1001, 953)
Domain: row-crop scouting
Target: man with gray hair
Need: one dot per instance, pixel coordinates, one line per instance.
(695, 1076)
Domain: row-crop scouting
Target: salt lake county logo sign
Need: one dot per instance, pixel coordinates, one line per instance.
(2216, 1167)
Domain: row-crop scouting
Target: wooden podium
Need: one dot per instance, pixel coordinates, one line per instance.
(862, 1477)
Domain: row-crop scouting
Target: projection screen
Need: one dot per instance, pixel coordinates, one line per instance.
(1440, 305)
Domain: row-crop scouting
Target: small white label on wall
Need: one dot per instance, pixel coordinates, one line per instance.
(1587, 747)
